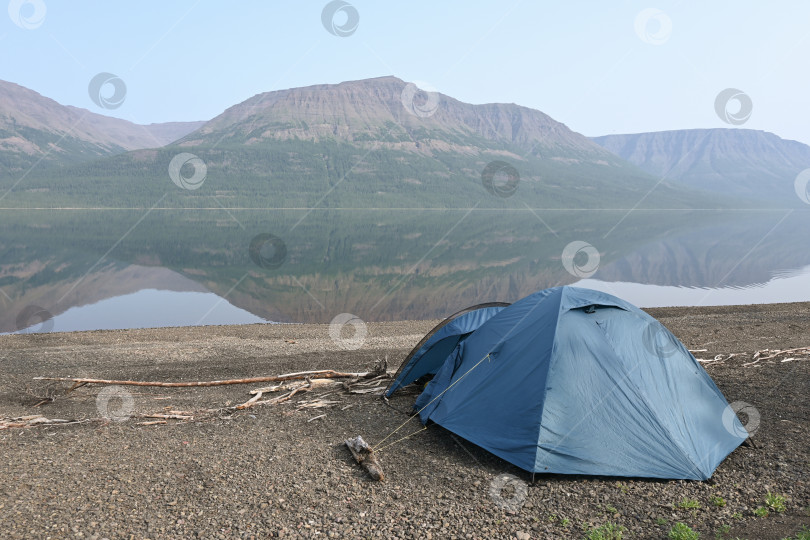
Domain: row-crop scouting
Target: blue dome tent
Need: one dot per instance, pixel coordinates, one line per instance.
(575, 381)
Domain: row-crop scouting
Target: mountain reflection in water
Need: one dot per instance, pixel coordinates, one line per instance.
(181, 268)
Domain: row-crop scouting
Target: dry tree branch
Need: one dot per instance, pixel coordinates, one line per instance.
(321, 374)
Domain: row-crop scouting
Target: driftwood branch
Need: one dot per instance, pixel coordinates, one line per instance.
(34, 420)
(364, 455)
(255, 400)
(799, 353)
(288, 385)
(321, 374)
(312, 383)
(169, 416)
(770, 354)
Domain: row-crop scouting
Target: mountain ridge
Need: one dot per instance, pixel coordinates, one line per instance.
(387, 106)
(742, 162)
(387, 113)
(34, 127)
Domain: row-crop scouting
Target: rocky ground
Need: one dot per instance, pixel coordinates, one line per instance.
(281, 470)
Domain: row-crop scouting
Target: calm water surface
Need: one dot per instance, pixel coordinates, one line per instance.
(64, 271)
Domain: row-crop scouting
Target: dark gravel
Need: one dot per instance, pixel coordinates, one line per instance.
(274, 471)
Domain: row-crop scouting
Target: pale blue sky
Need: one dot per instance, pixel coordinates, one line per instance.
(583, 63)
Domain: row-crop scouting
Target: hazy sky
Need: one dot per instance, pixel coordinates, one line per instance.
(599, 67)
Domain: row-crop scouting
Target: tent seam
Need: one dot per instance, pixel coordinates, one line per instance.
(548, 369)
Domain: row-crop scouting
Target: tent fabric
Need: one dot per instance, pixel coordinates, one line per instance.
(430, 353)
(575, 381)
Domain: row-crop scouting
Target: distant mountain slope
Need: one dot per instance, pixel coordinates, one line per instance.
(33, 127)
(167, 132)
(739, 162)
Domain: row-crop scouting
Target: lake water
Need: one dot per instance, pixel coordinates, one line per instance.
(792, 288)
(148, 308)
(66, 271)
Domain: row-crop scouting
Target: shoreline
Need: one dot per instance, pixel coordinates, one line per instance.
(658, 311)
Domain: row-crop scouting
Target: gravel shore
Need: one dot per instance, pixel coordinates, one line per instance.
(282, 471)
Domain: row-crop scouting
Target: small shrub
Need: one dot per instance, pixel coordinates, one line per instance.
(660, 521)
(682, 531)
(803, 534)
(608, 531)
(775, 502)
(761, 512)
(565, 522)
(737, 515)
(611, 509)
(689, 503)
(718, 501)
